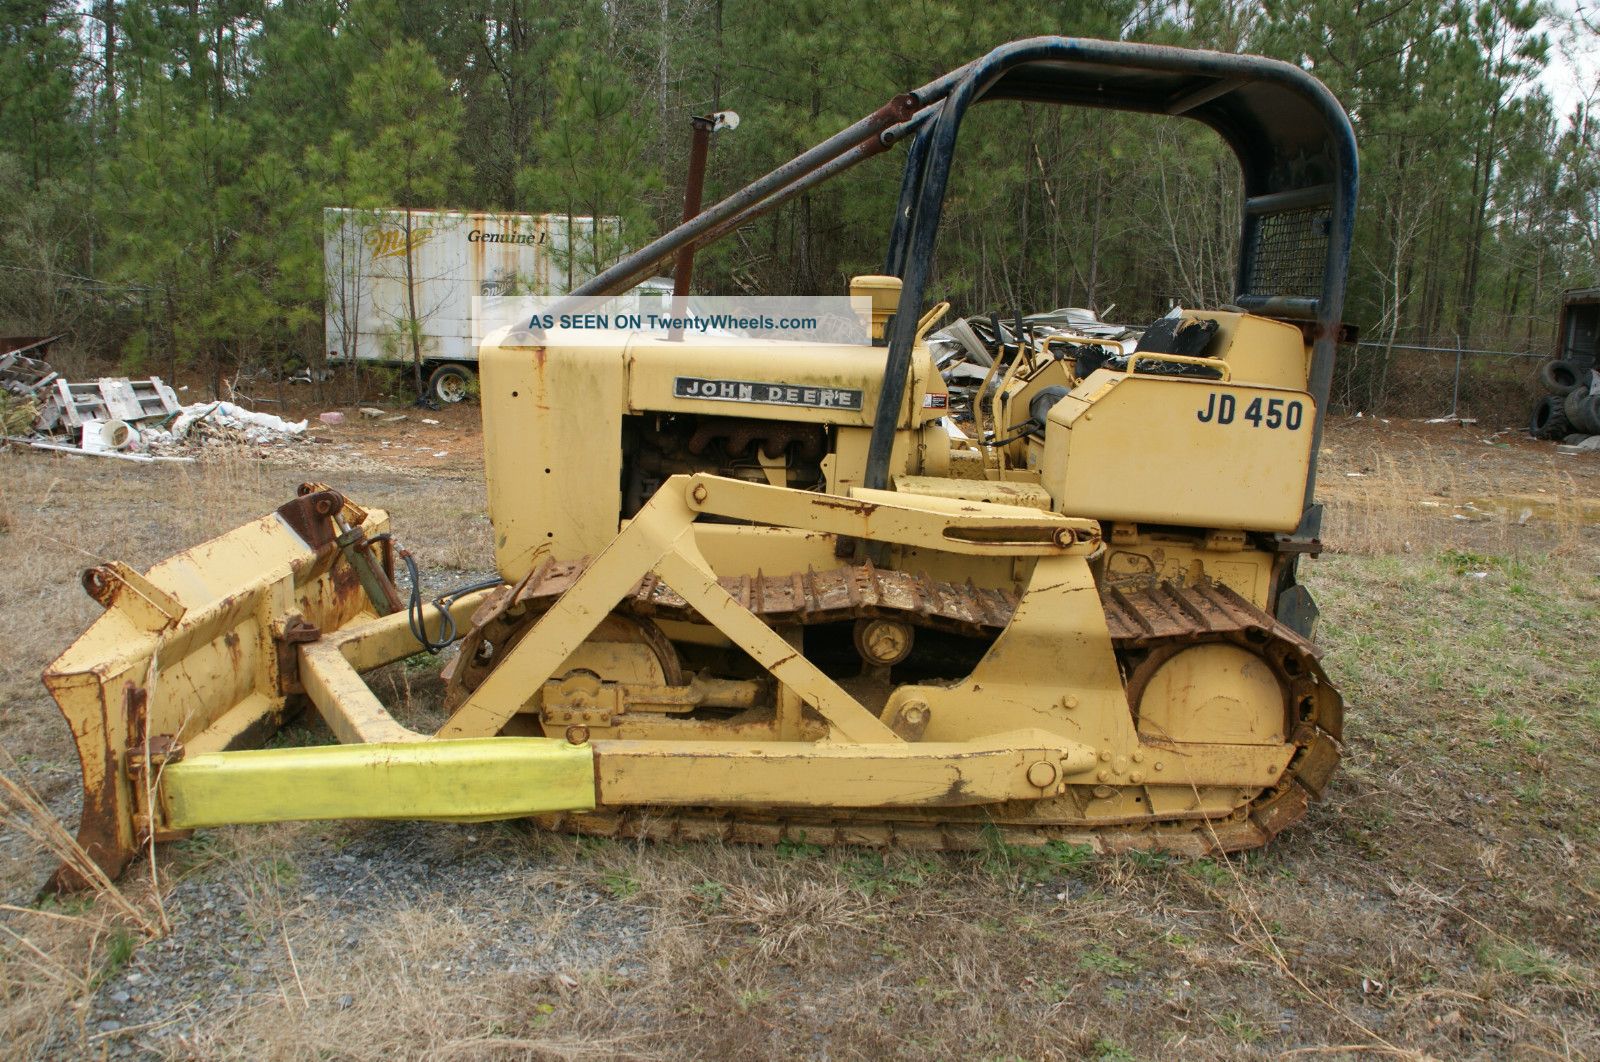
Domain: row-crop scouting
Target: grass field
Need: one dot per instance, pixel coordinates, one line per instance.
(1443, 901)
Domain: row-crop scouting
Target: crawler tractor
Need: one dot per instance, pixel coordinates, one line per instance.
(730, 610)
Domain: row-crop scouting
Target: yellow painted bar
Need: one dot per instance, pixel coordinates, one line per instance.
(969, 528)
(1019, 765)
(472, 778)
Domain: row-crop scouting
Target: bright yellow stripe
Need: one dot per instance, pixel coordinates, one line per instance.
(468, 778)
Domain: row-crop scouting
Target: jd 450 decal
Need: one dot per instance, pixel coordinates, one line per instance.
(1223, 408)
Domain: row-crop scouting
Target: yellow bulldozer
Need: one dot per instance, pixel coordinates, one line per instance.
(735, 609)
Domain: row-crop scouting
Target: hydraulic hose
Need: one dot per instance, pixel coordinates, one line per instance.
(447, 622)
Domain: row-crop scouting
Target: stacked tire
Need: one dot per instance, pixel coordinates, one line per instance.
(1570, 407)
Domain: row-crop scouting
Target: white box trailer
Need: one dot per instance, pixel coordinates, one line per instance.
(454, 256)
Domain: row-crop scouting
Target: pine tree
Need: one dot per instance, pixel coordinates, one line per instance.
(40, 117)
(408, 160)
(593, 162)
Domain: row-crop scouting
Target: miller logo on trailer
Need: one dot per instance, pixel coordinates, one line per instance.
(386, 242)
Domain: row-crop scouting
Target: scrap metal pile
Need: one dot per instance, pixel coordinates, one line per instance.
(130, 419)
(987, 356)
(969, 351)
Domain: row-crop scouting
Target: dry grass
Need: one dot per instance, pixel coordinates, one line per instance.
(1394, 487)
(58, 516)
(1443, 902)
(53, 955)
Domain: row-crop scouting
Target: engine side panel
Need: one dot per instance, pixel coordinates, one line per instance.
(1180, 451)
(552, 422)
(577, 436)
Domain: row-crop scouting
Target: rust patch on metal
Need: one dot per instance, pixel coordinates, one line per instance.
(849, 505)
(99, 824)
(100, 584)
(345, 582)
(836, 594)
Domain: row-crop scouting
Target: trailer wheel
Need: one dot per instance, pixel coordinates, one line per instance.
(1560, 377)
(453, 383)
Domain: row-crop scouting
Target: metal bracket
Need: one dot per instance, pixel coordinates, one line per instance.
(115, 585)
(311, 515)
(286, 634)
(1307, 538)
(147, 755)
(582, 699)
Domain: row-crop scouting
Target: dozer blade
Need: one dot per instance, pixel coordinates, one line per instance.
(194, 650)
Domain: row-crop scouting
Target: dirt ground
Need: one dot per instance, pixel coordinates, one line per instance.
(1443, 901)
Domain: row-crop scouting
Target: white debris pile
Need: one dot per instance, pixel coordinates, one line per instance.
(222, 422)
(138, 420)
